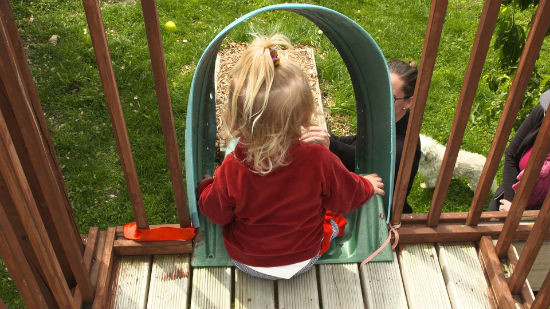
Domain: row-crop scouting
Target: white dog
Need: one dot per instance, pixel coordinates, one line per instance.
(468, 164)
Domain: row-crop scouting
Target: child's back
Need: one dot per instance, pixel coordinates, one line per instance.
(272, 193)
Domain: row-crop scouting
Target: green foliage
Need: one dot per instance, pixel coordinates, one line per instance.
(510, 36)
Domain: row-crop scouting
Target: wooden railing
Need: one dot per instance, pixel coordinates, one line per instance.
(39, 240)
(462, 226)
(53, 264)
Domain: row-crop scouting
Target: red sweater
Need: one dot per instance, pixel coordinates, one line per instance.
(277, 219)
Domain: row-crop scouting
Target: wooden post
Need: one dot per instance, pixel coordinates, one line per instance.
(152, 27)
(484, 33)
(542, 301)
(104, 276)
(427, 62)
(12, 80)
(531, 249)
(513, 102)
(25, 279)
(495, 274)
(35, 101)
(14, 179)
(101, 49)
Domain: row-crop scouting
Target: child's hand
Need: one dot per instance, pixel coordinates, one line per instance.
(316, 134)
(376, 182)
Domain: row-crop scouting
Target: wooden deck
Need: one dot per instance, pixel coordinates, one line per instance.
(421, 276)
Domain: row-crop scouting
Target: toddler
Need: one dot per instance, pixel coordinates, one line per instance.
(278, 198)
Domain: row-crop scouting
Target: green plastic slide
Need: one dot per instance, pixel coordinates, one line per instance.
(375, 152)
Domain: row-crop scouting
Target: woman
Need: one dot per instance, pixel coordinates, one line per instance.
(403, 79)
(516, 156)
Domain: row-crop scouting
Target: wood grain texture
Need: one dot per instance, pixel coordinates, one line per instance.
(382, 285)
(105, 269)
(130, 282)
(132, 247)
(252, 292)
(493, 268)
(463, 276)
(422, 277)
(340, 286)
(170, 280)
(299, 292)
(211, 287)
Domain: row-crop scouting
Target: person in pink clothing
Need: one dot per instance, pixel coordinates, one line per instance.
(516, 156)
(279, 199)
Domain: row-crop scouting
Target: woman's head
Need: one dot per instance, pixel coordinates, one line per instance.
(403, 77)
(268, 104)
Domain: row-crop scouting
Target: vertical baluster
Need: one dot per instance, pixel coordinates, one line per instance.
(542, 301)
(429, 53)
(152, 27)
(485, 30)
(531, 249)
(104, 64)
(513, 102)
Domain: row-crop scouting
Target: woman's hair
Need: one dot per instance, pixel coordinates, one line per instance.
(407, 72)
(268, 105)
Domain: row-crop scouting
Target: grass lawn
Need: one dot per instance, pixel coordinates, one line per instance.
(72, 97)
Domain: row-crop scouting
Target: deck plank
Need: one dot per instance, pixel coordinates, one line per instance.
(299, 292)
(540, 267)
(382, 285)
(463, 276)
(422, 277)
(252, 292)
(211, 287)
(340, 286)
(130, 282)
(169, 286)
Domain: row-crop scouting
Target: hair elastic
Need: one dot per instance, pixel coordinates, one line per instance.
(274, 56)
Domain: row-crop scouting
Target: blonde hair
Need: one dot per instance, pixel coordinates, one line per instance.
(268, 104)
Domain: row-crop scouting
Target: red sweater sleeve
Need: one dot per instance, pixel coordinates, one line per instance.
(343, 191)
(214, 200)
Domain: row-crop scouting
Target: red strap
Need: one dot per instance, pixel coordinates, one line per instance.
(160, 233)
(393, 229)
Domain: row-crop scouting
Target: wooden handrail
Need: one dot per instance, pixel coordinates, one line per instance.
(531, 249)
(152, 27)
(513, 102)
(105, 67)
(484, 33)
(427, 63)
